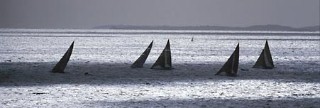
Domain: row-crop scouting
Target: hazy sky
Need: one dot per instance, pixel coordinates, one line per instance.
(91, 13)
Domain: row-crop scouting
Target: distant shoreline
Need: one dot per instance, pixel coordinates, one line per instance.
(249, 28)
(260, 28)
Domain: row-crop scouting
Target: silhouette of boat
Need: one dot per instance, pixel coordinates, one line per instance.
(231, 66)
(143, 57)
(164, 60)
(265, 59)
(61, 65)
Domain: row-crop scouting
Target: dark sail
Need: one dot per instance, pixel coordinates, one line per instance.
(192, 39)
(61, 65)
(164, 60)
(143, 57)
(265, 59)
(231, 66)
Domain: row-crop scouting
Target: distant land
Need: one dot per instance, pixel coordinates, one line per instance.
(249, 28)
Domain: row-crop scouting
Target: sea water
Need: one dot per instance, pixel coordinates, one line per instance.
(47, 45)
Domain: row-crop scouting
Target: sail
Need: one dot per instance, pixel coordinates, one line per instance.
(143, 57)
(231, 66)
(192, 39)
(265, 59)
(164, 60)
(61, 65)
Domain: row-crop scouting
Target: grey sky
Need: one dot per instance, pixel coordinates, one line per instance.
(91, 13)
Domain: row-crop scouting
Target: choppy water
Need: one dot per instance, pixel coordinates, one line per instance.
(46, 45)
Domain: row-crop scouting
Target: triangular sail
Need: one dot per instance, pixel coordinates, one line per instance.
(261, 62)
(231, 66)
(143, 57)
(61, 65)
(164, 60)
(265, 59)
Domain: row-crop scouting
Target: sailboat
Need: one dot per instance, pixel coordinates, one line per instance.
(192, 39)
(265, 59)
(164, 60)
(143, 57)
(61, 65)
(231, 66)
